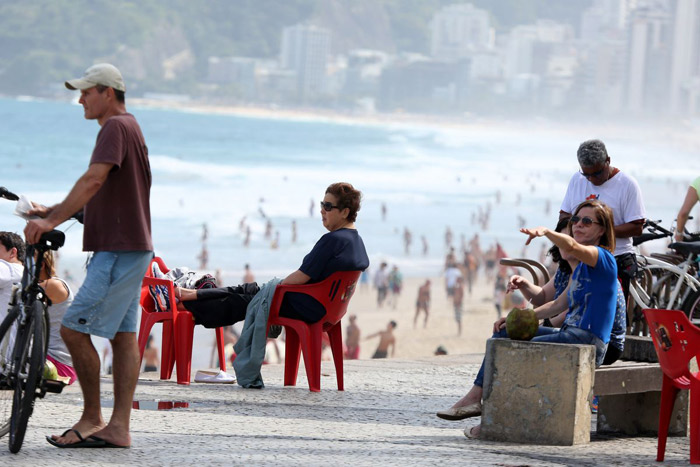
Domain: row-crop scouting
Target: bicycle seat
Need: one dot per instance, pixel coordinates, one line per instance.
(686, 248)
(51, 240)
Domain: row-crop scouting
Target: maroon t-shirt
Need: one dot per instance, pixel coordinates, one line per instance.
(118, 217)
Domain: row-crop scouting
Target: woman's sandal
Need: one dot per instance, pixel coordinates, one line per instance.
(469, 432)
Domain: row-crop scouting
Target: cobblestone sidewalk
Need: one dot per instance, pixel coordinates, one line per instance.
(386, 416)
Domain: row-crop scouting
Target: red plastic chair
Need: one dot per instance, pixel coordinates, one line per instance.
(178, 329)
(334, 294)
(677, 341)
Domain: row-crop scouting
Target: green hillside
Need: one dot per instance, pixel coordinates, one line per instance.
(164, 45)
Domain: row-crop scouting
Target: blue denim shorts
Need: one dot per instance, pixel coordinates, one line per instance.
(108, 300)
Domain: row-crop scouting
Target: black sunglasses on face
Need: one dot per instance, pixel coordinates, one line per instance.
(584, 220)
(328, 206)
(595, 174)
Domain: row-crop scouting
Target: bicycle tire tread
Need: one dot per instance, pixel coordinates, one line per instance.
(23, 402)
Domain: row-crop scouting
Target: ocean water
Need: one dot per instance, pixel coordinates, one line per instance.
(217, 169)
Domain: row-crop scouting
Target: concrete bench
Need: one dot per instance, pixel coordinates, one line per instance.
(539, 393)
(629, 392)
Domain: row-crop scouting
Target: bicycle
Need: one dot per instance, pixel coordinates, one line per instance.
(24, 342)
(663, 281)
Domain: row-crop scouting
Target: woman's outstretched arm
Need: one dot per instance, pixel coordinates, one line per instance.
(585, 253)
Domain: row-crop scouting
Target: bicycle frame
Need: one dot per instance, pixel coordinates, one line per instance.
(22, 300)
(27, 347)
(645, 300)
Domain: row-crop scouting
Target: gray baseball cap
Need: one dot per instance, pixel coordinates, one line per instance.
(103, 74)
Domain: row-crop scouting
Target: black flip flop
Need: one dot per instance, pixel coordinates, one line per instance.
(83, 443)
(105, 443)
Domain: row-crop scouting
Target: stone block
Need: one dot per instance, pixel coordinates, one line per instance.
(638, 414)
(537, 393)
(623, 377)
(639, 349)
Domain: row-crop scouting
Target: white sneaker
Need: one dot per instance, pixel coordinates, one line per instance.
(156, 272)
(221, 377)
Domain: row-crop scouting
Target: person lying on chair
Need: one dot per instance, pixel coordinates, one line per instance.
(341, 249)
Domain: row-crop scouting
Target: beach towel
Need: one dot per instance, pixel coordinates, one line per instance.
(189, 279)
(250, 348)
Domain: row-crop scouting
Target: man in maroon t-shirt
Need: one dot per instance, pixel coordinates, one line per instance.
(114, 196)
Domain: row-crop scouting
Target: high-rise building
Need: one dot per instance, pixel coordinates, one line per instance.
(649, 42)
(603, 17)
(685, 59)
(457, 31)
(305, 51)
(521, 56)
(603, 75)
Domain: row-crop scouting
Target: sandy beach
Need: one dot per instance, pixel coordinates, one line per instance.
(477, 320)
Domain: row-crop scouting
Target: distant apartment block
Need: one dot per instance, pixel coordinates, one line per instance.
(604, 17)
(305, 50)
(364, 70)
(649, 51)
(458, 31)
(235, 71)
(685, 61)
(528, 45)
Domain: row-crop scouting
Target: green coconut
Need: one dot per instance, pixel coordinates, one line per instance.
(521, 325)
(50, 370)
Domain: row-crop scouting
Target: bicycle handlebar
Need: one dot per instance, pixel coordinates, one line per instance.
(7, 194)
(645, 237)
(654, 225)
(655, 231)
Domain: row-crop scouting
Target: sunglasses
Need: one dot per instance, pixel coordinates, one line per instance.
(595, 174)
(587, 221)
(328, 206)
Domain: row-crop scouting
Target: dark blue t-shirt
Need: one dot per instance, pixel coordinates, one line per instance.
(340, 250)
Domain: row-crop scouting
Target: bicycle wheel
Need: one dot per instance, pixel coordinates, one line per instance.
(29, 354)
(8, 330)
(691, 307)
(664, 289)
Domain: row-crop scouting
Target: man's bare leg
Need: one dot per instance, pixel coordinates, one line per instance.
(86, 362)
(125, 369)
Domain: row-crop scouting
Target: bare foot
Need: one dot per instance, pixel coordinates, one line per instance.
(117, 436)
(472, 397)
(84, 427)
(465, 401)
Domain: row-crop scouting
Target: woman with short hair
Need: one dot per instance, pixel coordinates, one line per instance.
(341, 249)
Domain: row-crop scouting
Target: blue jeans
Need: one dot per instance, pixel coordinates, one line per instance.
(565, 335)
